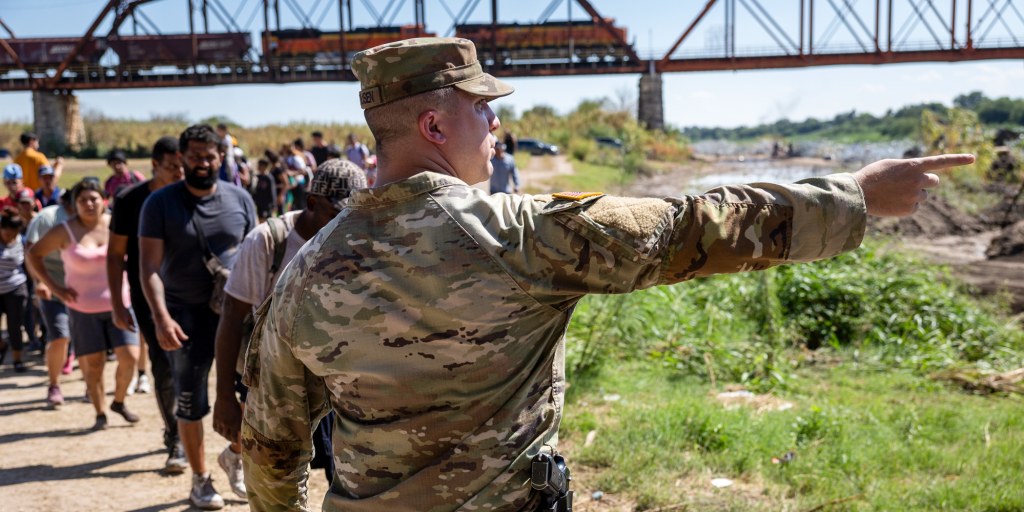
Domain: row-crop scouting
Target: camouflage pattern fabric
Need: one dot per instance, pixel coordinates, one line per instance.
(405, 68)
(430, 317)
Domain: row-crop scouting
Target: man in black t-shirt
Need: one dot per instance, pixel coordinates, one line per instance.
(123, 256)
(181, 226)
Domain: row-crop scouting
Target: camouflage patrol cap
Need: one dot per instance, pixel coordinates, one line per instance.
(401, 69)
(335, 180)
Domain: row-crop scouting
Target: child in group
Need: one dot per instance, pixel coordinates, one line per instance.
(13, 292)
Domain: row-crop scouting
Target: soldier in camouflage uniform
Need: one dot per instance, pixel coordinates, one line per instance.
(430, 315)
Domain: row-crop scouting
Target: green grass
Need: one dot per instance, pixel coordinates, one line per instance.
(897, 440)
(75, 169)
(869, 423)
(593, 177)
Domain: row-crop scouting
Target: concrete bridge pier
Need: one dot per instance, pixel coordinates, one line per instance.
(651, 111)
(57, 121)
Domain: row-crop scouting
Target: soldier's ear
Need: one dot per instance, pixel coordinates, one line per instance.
(430, 128)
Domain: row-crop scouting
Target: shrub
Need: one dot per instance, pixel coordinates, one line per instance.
(737, 327)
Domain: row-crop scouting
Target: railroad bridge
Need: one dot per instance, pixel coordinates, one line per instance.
(289, 41)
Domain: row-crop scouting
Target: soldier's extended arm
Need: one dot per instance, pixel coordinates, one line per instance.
(605, 244)
(284, 403)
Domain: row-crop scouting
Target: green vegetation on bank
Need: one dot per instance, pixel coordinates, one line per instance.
(868, 422)
(575, 133)
(596, 166)
(903, 123)
(893, 309)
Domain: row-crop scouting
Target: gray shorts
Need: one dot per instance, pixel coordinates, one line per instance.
(55, 318)
(95, 332)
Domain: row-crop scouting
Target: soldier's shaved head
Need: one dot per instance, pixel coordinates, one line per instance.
(397, 120)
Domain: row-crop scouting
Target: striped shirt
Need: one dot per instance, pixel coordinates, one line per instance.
(12, 266)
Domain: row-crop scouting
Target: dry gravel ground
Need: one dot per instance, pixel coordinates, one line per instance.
(50, 460)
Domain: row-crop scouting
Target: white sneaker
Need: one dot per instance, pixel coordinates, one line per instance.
(143, 384)
(132, 385)
(176, 463)
(231, 463)
(203, 495)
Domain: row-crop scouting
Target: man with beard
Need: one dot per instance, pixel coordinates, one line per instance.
(180, 224)
(123, 255)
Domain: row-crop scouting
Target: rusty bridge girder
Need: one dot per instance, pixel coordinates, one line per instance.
(748, 35)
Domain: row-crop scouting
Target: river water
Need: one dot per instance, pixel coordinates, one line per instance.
(726, 163)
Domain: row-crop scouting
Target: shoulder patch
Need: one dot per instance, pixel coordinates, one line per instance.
(638, 217)
(576, 196)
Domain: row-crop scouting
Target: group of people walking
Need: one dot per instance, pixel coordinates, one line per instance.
(426, 315)
(126, 265)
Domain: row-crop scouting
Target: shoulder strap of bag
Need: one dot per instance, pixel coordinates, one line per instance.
(278, 234)
(213, 263)
(202, 239)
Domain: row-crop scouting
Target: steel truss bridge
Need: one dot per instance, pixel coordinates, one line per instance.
(825, 32)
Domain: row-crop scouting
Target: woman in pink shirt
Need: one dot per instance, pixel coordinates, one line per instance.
(82, 242)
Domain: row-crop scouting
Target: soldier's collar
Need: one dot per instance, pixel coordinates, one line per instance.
(402, 190)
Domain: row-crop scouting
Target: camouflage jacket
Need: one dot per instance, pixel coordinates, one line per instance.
(430, 317)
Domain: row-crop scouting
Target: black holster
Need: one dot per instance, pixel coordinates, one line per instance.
(550, 476)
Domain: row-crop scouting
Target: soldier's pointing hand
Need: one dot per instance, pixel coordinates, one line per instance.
(896, 188)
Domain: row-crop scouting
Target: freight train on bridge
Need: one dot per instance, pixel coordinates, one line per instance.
(41, 54)
(502, 45)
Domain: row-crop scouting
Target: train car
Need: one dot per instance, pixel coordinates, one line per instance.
(48, 52)
(325, 47)
(538, 40)
(176, 49)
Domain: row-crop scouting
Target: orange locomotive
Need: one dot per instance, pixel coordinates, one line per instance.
(325, 47)
(529, 40)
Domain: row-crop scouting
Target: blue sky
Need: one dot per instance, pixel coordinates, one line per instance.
(705, 98)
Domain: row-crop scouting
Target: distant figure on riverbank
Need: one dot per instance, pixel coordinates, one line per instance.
(505, 171)
(511, 143)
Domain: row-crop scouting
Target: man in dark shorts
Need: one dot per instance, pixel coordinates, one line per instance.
(179, 225)
(123, 255)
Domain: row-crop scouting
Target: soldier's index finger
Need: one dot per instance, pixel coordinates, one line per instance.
(941, 162)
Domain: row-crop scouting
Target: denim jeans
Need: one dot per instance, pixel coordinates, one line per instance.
(191, 363)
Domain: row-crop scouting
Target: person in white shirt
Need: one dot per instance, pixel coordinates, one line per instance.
(261, 257)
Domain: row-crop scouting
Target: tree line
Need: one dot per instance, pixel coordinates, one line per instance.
(852, 126)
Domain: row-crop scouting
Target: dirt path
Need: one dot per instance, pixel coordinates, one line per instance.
(50, 460)
(542, 169)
